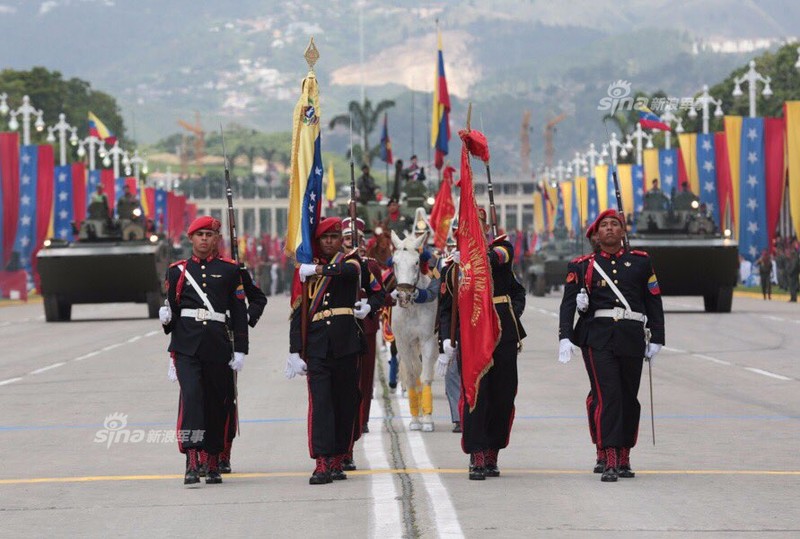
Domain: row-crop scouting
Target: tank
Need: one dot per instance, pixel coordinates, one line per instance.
(690, 255)
(112, 260)
(547, 268)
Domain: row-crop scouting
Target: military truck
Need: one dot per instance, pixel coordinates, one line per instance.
(690, 255)
(112, 260)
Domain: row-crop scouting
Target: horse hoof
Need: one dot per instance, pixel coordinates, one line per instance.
(427, 427)
(414, 425)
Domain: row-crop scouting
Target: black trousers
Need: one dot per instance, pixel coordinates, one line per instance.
(488, 426)
(614, 407)
(205, 402)
(332, 404)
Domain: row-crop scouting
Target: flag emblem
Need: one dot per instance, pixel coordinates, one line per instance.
(652, 285)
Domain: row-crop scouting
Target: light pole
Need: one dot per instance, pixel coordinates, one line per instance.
(616, 146)
(639, 135)
(27, 111)
(62, 127)
(137, 163)
(593, 155)
(4, 103)
(560, 170)
(668, 117)
(704, 101)
(95, 145)
(751, 78)
(115, 153)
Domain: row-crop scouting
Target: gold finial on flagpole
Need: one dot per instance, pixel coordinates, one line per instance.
(311, 55)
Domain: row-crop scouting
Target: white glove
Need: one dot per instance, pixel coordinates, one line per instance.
(237, 363)
(294, 366)
(448, 348)
(172, 374)
(652, 350)
(307, 270)
(394, 294)
(456, 256)
(565, 350)
(165, 315)
(442, 364)
(362, 309)
(582, 299)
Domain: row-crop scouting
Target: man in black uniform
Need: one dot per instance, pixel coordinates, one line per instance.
(331, 348)
(487, 428)
(200, 290)
(367, 190)
(621, 321)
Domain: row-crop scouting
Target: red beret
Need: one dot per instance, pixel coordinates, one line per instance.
(611, 212)
(205, 222)
(328, 224)
(347, 229)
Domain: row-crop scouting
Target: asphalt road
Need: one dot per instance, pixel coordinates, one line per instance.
(85, 408)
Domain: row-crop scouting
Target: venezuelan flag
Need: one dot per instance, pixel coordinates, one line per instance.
(440, 121)
(650, 120)
(98, 129)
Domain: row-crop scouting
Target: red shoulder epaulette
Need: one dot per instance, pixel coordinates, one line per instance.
(229, 260)
(639, 253)
(501, 237)
(176, 263)
(581, 258)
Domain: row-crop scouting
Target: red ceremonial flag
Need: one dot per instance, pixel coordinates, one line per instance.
(191, 214)
(150, 199)
(479, 323)
(443, 209)
(45, 188)
(9, 172)
(683, 176)
(724, 182)
(78, 192)
(133, 185)
(774, 129)
(109, 187)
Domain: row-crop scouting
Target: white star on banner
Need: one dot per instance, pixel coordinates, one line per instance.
(26, 179)
(752, 157)
(63, 233)
(752, 204)
(639, 174)
(709, 166)
(752, 134)
(311, 220)
(752, 227)
(62, 196)
(668, 179)
(709, 187)
(667, 160)
(752, 181)
(313, 196)
(26, 200)
(25, 220)
(24, 241)
(753, 251)
(317, 171)
(592, 201)
(26, 158)
(310, 207)
(707, 145)
(62, 178)
(710, 206)
(640, 192)
(63, 214)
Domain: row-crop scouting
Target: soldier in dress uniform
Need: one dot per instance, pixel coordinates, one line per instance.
(487, 428)
(621, 321)
(203, 350)
(330, 352)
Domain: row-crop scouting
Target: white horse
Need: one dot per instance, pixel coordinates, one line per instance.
(413, 325)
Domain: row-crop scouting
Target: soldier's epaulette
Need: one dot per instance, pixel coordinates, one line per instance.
(639, 253)
(500, 238)
(177, 262)
(229, 260)
(581, 258)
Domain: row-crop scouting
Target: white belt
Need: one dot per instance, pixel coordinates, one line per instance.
(618, 313)
(202, 314)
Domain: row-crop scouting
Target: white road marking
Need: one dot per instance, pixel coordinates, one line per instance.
(676, 350)
(111, 347)
(134, 339)
(85, 356)
(10, 381)
(151, 333)
(385, 515)
(43, 369)
(767, 373)
(709, 358)
(444, 514)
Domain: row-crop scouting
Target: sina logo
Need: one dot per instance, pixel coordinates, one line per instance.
(619, 97)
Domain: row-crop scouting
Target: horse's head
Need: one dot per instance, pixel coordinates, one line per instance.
(406, 265)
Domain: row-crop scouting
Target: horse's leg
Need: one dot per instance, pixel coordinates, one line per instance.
(429, 351)
(408, 376)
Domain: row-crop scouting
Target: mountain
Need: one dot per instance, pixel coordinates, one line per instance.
(241, 60)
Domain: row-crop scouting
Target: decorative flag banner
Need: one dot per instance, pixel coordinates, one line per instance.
(593, 198)
(724, 188)
(538, 211)
(386, 143)
(559, 219)
(707, 174)
(161, 210)
(63, 209)
(649, 120)
(791, 111)
(580, 195)
(109, 188)
(443, 209)
(733, 136)
(149, 202)
(551, 200)
(440, 121)
(305, 181)
(480, 325)
(668, 168)
(92, 181)
(44, 204)
(10, 199)
(99, 130)
(601, 175)
(79, 204)
(26, 229)
(774, 171)
(688, 143)
(637, 171)
(330, 189)
(753, 197)
(567, 202)
(119, 184)
(625, 177)
(651, 168)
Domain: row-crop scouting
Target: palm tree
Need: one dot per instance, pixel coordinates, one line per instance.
(365, 120)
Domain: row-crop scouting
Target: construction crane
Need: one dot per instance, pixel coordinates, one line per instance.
(199, 145)
(525, 144)
(549, 133)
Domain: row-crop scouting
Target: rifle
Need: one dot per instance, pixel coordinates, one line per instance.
(352, 204)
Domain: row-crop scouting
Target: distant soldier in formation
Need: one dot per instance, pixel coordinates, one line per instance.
(414, 173)
(367, 189)
(395, 220)
(127, 204)
(764, 263)
(621, 322)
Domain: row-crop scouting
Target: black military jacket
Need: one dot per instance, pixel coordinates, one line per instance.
(256, 299)
(333, 336)
(633, 274)
(220, 279)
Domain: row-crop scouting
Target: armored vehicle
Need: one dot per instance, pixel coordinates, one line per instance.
(690, 255)
(112, 260)
(547, 268)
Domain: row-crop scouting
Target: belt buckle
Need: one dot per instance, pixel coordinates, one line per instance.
(201, 315)
(327, 313)
(619, 314)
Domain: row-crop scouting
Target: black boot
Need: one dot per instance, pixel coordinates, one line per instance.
(225, 459)
(491, 469)
(365, 428)
(212, 475)
(202, 459)
(321, 475)
(600, 463)
(335, 465)
(625, 463)
(477, 468)
(456, 426)
(610, 473)
(348, 464)
(192, 477)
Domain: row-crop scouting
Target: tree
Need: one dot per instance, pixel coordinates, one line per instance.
(365, 120)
